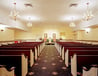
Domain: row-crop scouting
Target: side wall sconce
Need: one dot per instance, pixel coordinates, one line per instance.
(2, 30)
(87, 30)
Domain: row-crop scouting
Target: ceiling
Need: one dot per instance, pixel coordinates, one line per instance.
(48, 11)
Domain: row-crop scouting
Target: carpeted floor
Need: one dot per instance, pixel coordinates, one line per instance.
(49, 63)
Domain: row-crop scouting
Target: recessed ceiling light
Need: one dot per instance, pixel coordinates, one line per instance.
(28, 5)
(73, 5)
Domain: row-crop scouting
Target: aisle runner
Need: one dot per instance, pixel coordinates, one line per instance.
(49, 63)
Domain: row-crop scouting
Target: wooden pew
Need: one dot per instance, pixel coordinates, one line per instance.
(78, 61)
(62, 45)
(70, 53)
(66, 45)
(75, 46)
(27, 53)
(93, 42)
(33, 49)
(64, 49)
(35, 46)
(18, 61)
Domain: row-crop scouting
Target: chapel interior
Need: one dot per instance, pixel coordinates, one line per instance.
(48, 38)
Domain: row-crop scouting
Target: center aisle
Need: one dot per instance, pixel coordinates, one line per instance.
(49, 63)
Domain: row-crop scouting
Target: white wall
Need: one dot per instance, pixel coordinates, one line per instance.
(91, 35)
(37, 31)
(6, 35)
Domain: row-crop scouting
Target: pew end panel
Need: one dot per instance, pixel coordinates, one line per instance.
(5, 72)
(67, 58)
(74, 65)
(24, 65)
(93, 71)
